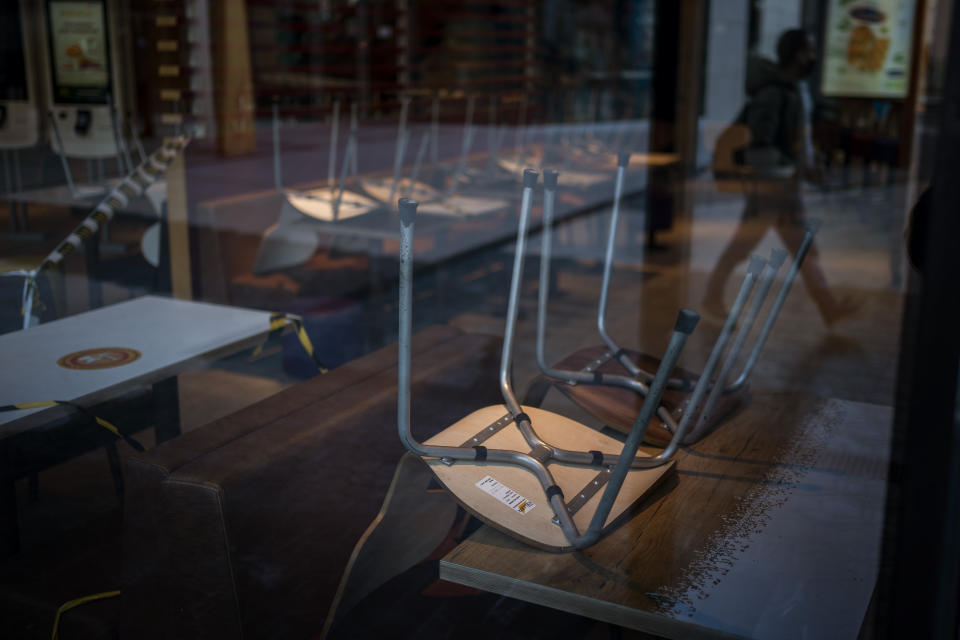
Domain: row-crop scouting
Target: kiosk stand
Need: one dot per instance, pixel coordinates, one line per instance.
(19, 123)
(85, 92)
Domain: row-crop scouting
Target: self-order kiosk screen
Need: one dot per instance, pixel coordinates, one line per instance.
(79, 54)
(13, 68)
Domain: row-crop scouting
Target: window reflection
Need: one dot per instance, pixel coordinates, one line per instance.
(192, 157)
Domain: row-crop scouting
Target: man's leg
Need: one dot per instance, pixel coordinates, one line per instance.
(753, 226)
(792, 231)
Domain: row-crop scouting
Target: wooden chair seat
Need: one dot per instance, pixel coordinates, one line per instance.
(618, 407)
(530, 517)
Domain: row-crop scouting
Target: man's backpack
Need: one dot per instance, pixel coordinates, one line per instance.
(736, 161)
(728, 165)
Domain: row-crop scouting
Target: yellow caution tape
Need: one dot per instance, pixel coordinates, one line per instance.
(135, 183)
(279, 322)
(66, 606)
(109, 426)
(31, 405)
(116, 200)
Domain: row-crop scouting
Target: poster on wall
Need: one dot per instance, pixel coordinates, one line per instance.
(78, 48)
(867, 47)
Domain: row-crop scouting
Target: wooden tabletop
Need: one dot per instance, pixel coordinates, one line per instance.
(439, 236)
(168, 334)
(61, 196)
(771, 530)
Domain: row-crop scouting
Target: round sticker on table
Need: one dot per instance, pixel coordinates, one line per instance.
(100, 358)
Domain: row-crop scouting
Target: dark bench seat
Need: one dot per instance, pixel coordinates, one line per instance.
(242, 528)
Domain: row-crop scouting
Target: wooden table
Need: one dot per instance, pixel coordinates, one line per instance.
(89, 196)
(771, 530)
(439, 237)
(169, 336)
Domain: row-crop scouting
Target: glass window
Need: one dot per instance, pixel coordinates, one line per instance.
(205, 266)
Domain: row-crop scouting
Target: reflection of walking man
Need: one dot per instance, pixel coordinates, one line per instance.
(781, 154)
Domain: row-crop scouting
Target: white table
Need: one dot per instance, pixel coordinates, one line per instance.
(169, 335)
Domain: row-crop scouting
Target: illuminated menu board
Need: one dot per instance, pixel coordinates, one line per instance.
(867, 47)
(79, 53)
(13, 67)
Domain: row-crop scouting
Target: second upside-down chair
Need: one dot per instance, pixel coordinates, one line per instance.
(610, 381)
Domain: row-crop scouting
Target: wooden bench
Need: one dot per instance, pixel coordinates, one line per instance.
(243, 527)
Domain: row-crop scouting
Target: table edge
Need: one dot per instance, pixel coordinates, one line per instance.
(620, 615)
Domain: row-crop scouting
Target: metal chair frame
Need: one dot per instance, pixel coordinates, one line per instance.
(542, 453)
(759, 270)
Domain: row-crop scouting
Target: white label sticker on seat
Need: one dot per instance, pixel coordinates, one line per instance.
(505, 495)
